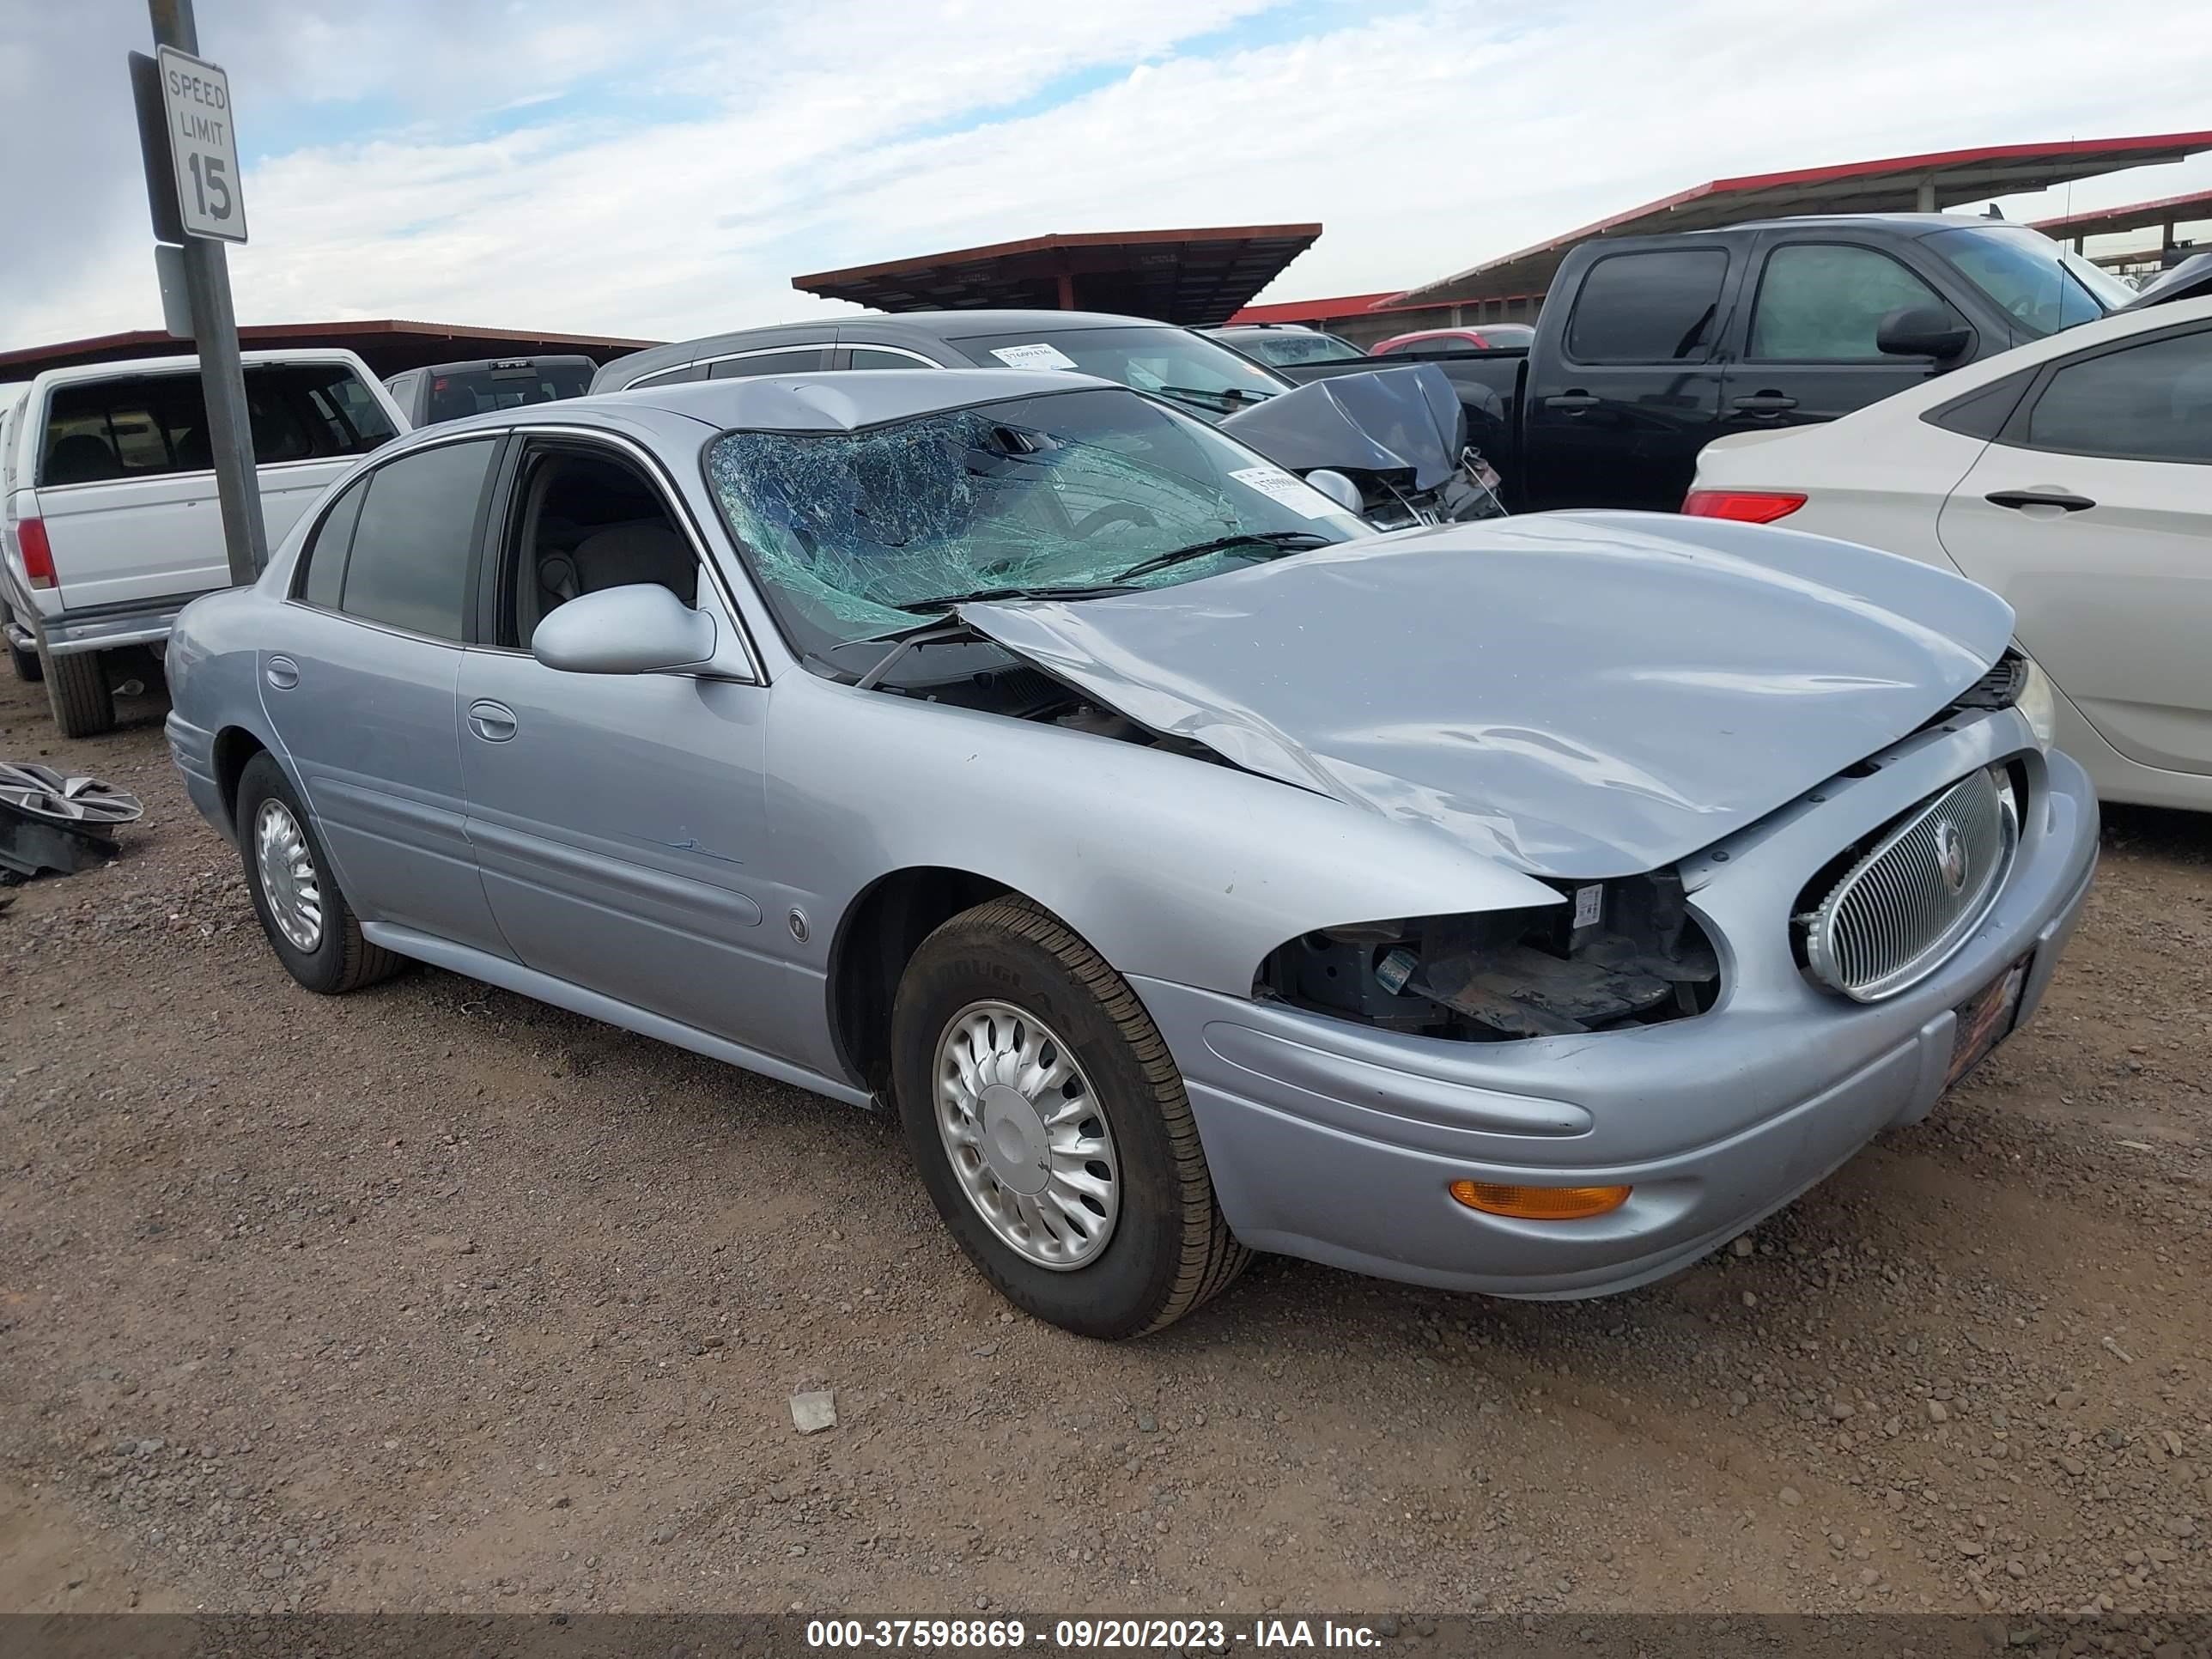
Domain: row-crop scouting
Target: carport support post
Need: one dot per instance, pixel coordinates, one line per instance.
(215, 336)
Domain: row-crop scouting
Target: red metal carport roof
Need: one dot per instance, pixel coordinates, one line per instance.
(2136, 215)
(1892, 185)
(388, 346)
(1176, 275)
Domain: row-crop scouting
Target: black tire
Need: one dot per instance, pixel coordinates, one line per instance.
(1170, 1249)
(76, 691)
(25, 663)
(341, 960)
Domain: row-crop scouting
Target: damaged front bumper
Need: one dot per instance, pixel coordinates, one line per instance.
(1337, 1142)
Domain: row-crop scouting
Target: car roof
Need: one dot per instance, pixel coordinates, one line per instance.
(1921, 224)
(77, 374)
(862, 328)
(827, 400)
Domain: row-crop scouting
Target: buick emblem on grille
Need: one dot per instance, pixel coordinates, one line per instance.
(1952, 861)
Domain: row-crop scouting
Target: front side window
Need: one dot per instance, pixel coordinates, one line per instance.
(2041, 285)
(1201, 374)
(856, 534)
(2151, 402)
(1657, 307)
(1824, 302)
(409, 564)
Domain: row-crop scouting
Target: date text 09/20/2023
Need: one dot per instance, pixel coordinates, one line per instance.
(1171, 1635)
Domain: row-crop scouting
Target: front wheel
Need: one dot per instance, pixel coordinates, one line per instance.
(1051, 1128)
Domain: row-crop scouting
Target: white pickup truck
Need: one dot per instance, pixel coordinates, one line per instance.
(110, 523)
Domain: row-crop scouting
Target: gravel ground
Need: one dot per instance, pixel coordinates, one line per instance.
(433, 1297)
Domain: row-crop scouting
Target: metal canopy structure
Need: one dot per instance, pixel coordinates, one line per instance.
(2163, 214)
(388, 346)
(1191, 276)
(1897, 183)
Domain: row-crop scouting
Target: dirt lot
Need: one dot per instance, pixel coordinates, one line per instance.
(434, 1297)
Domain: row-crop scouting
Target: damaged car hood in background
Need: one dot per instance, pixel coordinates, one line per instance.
(1393, 419)
(1580, 694)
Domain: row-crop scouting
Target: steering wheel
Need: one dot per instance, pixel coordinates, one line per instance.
(1112, 513)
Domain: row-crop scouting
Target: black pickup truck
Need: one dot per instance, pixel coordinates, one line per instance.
(1649, 347)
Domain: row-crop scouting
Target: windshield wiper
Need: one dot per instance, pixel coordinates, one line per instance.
(1228, 399)
(1065, 591)
(1288, 540)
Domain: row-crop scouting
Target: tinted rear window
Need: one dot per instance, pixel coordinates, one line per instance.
(1656, 308)
(142, 426)
(455, 394)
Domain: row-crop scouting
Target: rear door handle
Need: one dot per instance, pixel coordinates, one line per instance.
(1574, 398)
(2057, 498)
(1765, 403)
(492, 721)
(282, 673)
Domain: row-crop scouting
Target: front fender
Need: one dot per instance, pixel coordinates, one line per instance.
(1170, 867)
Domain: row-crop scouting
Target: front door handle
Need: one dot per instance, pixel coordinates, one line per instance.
(1765, 403)
(492, 721)
(2057, 498)
(282, 673)
(1573, 397)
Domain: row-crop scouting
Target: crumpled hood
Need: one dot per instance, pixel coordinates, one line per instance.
(1581, 695)
(1392, 420)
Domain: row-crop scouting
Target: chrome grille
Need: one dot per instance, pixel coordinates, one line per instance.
(1899, 912)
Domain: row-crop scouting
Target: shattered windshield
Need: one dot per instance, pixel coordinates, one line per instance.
(1074, 489)
(1201, 374)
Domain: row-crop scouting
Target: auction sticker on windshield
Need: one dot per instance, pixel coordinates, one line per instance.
(1292, 491)
(196, 97)
(1039, 355)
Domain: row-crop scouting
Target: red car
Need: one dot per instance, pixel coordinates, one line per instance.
(1456, 339)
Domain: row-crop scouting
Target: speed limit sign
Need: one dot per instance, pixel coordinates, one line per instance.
(203, 144)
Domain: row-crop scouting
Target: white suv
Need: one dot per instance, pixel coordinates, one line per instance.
(110, 523)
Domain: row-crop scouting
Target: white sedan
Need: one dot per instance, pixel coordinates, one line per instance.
(2073, 476)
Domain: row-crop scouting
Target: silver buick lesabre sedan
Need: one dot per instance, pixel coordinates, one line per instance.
(1521, 907)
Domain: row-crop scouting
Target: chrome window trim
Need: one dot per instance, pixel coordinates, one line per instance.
(895, 350)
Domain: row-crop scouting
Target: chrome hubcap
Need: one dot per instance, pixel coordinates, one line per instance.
(289, 881)
(1030, 1143)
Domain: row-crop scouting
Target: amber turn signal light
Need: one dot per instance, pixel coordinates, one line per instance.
(1540, 1203)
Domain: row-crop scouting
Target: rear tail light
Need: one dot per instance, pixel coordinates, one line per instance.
(1746, 505)
(38, 553)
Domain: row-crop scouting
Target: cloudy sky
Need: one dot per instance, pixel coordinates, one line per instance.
(664, 168)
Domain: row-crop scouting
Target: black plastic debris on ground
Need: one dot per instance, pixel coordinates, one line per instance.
(55, 823)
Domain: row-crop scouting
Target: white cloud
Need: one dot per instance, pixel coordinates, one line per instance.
(1424, 137)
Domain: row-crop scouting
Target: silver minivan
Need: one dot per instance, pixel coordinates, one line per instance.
(110, 523)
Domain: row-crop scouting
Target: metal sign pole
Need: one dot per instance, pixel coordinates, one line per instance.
(215, 335)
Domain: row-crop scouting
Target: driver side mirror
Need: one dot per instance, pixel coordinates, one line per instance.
(1338, 489)
(1922, 331)
(641, 628)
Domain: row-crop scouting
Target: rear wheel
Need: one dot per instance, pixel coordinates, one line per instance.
(310, 925)
(1051, 1128)
(76, 691)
